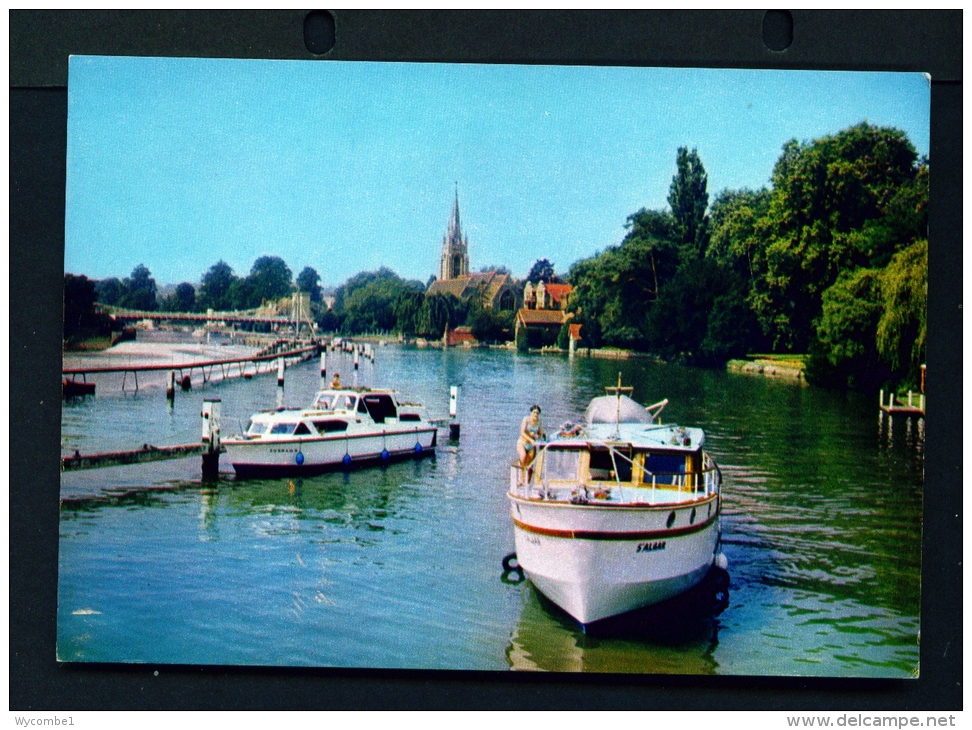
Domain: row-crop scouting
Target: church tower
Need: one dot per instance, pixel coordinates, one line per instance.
(455, 247)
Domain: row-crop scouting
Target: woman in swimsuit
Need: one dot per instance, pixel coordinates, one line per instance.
(531, 431)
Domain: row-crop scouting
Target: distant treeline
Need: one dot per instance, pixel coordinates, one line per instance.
(831, 261)
(368, 302)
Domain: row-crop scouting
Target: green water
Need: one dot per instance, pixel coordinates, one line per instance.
(400, 566)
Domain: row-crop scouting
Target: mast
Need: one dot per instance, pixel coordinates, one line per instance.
(618, 389)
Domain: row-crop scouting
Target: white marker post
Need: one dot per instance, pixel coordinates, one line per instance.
(453, 409)
(280, 382)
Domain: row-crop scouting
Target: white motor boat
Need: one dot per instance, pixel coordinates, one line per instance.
(343, 427)
(618, 513)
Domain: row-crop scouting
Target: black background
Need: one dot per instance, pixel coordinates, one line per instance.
(40, 42)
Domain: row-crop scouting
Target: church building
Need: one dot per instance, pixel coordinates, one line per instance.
(499, 291)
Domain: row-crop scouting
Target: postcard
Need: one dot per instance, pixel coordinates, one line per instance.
(493, 367)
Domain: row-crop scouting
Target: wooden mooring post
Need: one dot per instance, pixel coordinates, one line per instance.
(211, 427)
(896, 405)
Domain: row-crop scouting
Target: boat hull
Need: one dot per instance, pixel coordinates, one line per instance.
(309, 455)
(599, 561)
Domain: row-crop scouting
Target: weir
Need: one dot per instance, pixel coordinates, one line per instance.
(207, 367)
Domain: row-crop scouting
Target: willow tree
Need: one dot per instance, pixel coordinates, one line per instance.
(901, 329)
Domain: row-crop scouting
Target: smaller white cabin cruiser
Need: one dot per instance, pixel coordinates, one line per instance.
(618, 513)
(343, 427)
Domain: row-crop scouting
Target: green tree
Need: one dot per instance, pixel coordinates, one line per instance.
(486, 324)
(678, 322)
(844, 351)
(183, 299)
(140, 290)
(109, 291)
(901, 328)
(613, 290)
(406, 309)
(367, 301)
(522, 340)
(79, 301)
(214, 293)
(841, 202)
(736, 222)
(241, 295)
(269, 279)
(689, 199)
(438, 311)
(542, 270)
(308, 280)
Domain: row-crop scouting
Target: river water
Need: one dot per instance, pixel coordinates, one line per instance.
(400, 566)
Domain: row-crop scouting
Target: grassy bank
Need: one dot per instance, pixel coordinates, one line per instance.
(779, 366)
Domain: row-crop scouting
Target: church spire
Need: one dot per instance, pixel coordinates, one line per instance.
(455, 229)
(455, 246)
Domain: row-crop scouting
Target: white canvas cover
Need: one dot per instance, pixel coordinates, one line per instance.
(605, 410)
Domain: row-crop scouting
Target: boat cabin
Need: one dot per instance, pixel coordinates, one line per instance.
(622, 454)
(619, 463)
(331, 413)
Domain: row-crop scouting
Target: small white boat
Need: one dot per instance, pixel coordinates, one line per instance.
(343, 427)
(618, 513)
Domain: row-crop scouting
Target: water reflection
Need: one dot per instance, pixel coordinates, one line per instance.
(208, 503)
(397, 566)
(890, 429)
(678, 636)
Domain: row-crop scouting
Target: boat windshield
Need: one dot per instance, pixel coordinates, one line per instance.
(283, 428)
(610, 464)
(561, 464)
(344, 403)
(324, 401)
(255, 428)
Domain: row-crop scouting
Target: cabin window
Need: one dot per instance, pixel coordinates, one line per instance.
(330, 426)
(255, 428)
(561, 465)
(380, 407)
(664, 467)
(283, 428)
(324, 403)
(603, 466)
(301, 429)
(344, 403)
(409, 417)
(362, 408)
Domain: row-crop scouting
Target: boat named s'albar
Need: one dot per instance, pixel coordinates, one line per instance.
(343, 427)
(618, 513)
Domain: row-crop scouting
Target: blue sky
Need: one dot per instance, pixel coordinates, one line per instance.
(348, 166)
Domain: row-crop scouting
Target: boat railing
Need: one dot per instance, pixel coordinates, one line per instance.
(700, 483)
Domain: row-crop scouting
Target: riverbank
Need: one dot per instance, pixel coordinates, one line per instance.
(771, 366)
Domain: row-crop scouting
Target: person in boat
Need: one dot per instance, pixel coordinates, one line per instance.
(531, 431)
(336, 383)
(568, 429)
